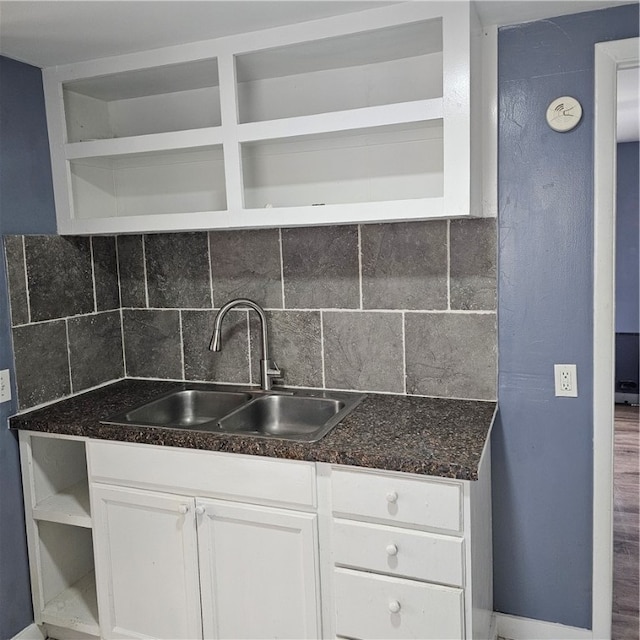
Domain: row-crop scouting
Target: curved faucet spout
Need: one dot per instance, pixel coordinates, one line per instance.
(268, 369)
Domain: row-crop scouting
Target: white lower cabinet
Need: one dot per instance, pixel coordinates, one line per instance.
(178, 568)
(146, 564)
(191, 544)
(258, 568)
(376, 606)
(411, 555)
(192, 565)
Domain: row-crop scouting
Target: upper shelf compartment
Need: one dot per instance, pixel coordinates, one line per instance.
(375, 115)
(387, 66)
(174, 97)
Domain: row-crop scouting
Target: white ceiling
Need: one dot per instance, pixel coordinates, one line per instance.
(52, 32)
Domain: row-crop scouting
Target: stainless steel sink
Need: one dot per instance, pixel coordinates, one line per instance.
(187, 409)
(292, 417)
(304, 417)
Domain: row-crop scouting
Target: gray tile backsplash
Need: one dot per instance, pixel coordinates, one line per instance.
(404, 265)
(320, 266)
(42, 362)
(363, 351)
(246, 264)
(16, 272)
(295, 343)
(451, 354)
(395, 308)
(95, 349)
(473, 265)
(131, 270)
(105, 272)
(178, 270)
(152, 346)
(231, 364)
(59, 276)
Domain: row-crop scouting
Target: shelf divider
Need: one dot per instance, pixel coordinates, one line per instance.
(70, 506)
(348, 120)
(154, 142)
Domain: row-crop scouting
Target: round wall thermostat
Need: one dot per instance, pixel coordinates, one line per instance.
(564, 113)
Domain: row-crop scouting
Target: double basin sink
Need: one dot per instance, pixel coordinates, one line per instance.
(299, 416)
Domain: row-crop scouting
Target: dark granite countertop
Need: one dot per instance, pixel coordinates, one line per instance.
(431, 436)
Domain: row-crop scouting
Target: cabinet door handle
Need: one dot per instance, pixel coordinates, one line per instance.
(200, 510)
(183, 508)
(392, 497)
(392, 549)
(394, 606)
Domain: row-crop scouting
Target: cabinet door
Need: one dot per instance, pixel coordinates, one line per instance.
(258, 571)
(146, 564)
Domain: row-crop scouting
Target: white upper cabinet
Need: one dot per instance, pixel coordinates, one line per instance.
(365, 117)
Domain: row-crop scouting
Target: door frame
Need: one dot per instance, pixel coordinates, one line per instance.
(609, 57)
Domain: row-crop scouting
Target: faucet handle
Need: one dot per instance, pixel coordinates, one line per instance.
(273, 370)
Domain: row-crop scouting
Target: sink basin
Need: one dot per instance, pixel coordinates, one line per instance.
(292, 417)
(187, 409)
(301, 417)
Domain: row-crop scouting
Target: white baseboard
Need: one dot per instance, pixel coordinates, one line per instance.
(515, 628)
(32, 632)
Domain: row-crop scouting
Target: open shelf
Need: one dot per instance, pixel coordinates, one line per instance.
(60, 489)
(164, 182)
(376, 164)
(68, 506)
(76, 607)
(67, 580)
(371, 68)
(159, 99)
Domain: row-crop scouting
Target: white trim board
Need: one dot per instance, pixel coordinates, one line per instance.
(516, 628)
(609, 57)
(32, 632)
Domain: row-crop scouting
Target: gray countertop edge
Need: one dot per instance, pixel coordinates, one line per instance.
(428, 436)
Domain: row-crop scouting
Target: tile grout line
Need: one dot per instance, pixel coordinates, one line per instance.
(66, 329)
(448, 265)
(461, 312)
(26, 279)
(181, 343)
(93, 275)
(115, 240)
(124, 354)
(324, 381)
(144, 270)
(284, 306)
(360, 265)
(213, 305)
(404, 355)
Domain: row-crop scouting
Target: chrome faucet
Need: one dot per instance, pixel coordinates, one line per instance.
(268, 368)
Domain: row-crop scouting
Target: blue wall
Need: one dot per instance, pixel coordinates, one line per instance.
(627, 235)
(542, 445)
(26, 206)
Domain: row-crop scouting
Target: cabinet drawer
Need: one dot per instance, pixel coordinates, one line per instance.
(369, 606)
(400, 552)
(204, 473)
(395, 499)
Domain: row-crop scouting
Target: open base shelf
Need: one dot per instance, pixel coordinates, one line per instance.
(75, 608)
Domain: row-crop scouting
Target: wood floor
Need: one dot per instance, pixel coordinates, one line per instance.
(626, 515)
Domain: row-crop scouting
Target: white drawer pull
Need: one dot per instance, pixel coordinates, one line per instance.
(183, 508)
(392, 497)
(392, 549)
(199, 509)
(394, 606)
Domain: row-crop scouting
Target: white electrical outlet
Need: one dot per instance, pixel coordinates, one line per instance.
(5, 386)
(566, 379)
